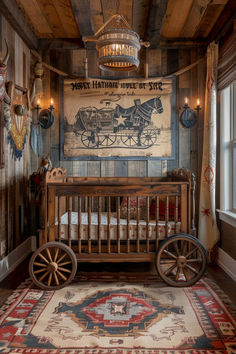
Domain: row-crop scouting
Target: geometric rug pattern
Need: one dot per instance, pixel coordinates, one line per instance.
(114, 317)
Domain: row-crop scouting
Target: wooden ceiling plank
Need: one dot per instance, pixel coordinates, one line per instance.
(157, 12)
(66, 16)
(176, 15)
(140, 15)
(50, 13)
(97, 16)
(208, 21)
(83, 17)
(34, 17)
(126, 10)
(193, 20)
(16, 19)
(108, 9)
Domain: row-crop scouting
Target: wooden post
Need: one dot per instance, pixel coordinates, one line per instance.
(184, 215)
(51, 212)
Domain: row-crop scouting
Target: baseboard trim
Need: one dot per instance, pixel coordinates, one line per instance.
(13, 259)
(227, 263)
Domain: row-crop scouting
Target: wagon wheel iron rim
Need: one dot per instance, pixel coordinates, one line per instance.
(181, 260)
(53, 266)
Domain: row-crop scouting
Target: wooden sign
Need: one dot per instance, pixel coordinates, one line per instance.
(117, 118)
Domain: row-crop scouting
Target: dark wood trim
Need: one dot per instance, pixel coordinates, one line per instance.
(83, 17)
(177, 43)
(14, 16)
(61, 44)
(156, 15)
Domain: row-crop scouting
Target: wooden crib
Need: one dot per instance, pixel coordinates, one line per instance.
(108, 219)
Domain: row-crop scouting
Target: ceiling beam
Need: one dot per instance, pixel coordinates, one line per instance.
(182, 43)
(14, 16)
(61, 44)
(157, 12)
(83, 17)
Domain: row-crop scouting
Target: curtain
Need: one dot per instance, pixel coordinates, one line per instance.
(208, 232)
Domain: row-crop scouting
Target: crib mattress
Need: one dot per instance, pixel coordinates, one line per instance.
(153, 230)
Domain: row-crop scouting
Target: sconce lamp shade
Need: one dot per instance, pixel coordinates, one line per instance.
(118, 46)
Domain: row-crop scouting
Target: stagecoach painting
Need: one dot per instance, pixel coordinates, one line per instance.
(120, 124)
(132, 126)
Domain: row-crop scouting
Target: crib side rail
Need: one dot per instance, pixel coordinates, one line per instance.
(90, 197)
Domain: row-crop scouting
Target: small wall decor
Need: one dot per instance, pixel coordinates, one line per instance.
(45, 117)
(188, 117)
(18, 130)
(118, 118)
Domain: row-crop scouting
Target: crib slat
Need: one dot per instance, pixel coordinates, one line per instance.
(137, 219)
(89, 223)
(184, 218)
(118, 223)
(167, 216)
(99, 224)
(176, 213)
(147, 224)
(59, 213)
(69, 220)
(79, 224)
(108, 225)
(157, 222)
(128, 222)
(51, 212)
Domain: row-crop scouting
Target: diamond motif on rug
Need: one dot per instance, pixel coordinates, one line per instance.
(119, 312)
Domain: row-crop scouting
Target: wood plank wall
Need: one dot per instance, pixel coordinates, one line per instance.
(14, 186)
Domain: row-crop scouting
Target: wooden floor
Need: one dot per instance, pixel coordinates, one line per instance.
(21, 273)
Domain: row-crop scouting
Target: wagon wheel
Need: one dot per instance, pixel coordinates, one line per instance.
(129, 140)
(89, 139)
(52, 266)
(181, 260)
(148, 137)
(107, 140)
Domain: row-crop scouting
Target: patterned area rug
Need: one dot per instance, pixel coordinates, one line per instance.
(117, 317)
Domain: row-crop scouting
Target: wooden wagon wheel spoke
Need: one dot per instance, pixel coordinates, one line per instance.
(61, 275)
(176, 248)
(50, 279)
(177, 274)
(43, 258)
(64, 270)
(64, 263)
(191, 252)
(49, 254)
(52, 274)
(40, 264)
(197, 260)
(189, 268)
(56, 254)
(170, 254)
(56, 278)
(40, 271)
(44, 275)
(168, 271)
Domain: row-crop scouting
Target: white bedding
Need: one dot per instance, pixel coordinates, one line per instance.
(172, 228)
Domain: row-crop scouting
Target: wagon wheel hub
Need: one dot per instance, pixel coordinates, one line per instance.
(52, 267)
(181, 261)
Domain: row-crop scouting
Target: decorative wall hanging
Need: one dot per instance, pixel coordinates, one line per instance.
(130, 118)
(18, 130)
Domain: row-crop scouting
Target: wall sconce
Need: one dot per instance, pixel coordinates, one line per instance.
(45, 117)
(188, 117)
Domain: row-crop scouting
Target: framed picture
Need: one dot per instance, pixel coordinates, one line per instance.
(118, 119)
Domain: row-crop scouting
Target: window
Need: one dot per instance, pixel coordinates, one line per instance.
(228, 154)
